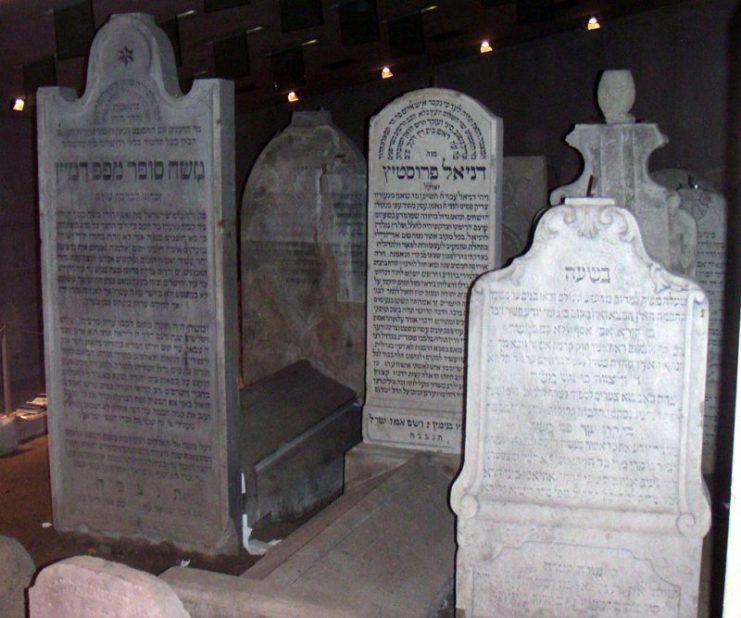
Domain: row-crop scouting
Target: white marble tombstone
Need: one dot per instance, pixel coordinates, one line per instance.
(303, 253)
(140, 304)
(434, 224)
(707, 206)
(581, 492)
(615, 158)
(524, 195)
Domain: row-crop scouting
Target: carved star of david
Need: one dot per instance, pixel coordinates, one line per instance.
(126, 55)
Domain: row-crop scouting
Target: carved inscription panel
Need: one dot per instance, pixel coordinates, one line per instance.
(134, 308)
(433, 203)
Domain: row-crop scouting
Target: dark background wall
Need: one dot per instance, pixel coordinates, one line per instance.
(677, 55)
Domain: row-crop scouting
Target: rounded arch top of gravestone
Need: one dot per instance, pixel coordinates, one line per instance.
(461, 128)
(130, 46)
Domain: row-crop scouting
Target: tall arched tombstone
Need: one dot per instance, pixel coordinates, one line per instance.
(303, 253)
(140, 308)
(581, 490)
(434, 224)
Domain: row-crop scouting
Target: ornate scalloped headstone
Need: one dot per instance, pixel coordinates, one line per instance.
(615, 158)
(303, 253)
(434, 224)
(581, 491)
(707, 206)
(140, 303)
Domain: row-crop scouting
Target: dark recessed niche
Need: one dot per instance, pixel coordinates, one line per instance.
(359, 22)
(288, 68)
(534, 11)
(300, 14)
(340, 64)
(232, 57)
(406, 36)
(38, 75)
(74, 29)
(172, 30)
(211, 6)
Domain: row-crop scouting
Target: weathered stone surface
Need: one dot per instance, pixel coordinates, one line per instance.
(303, 253)
(581, 491)
(434, 211)
(707, 206)
(525, 194)
(140, 302)
(616, 166)
(8, 435)
(296, 427)
(16, 570)
(87, 586)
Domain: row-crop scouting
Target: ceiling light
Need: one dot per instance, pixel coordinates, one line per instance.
(292, 96)
(593, 23)
(310, 42)
(432, 7)
(386, 73)
(19, 104)
(485, 47)
(253, 30)
(186, 14)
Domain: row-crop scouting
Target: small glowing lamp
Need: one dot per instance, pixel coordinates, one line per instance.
(485, 47)
(292, 96)
(593, 23)
(386, 73)
(19, 104)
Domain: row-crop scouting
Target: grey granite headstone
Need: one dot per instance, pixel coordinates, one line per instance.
(303, 253)
(434, 224)
(525, 193)
(139, 282)
(707, 206)
(615, 158)
(581, 492)
(86, 586)
(16, 570)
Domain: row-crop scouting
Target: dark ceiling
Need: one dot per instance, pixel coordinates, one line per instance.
(271, 46)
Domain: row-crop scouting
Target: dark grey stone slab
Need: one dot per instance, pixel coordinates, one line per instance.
(140, 307)
(296, 427)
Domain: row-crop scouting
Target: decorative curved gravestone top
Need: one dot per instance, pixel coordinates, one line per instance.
(615, 158)
(303, 253)
(140, 302)
(581, 488)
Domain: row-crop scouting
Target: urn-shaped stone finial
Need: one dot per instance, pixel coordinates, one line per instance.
(615, 94)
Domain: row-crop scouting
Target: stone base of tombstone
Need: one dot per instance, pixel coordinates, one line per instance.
(297, 425)
(16, 570)
(8, 436)
(87, 586)
(385, 548)
(30, 425)
(515, 570)
(366, 461)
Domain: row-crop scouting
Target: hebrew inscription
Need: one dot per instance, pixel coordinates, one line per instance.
(433, 201)
(139, 283)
